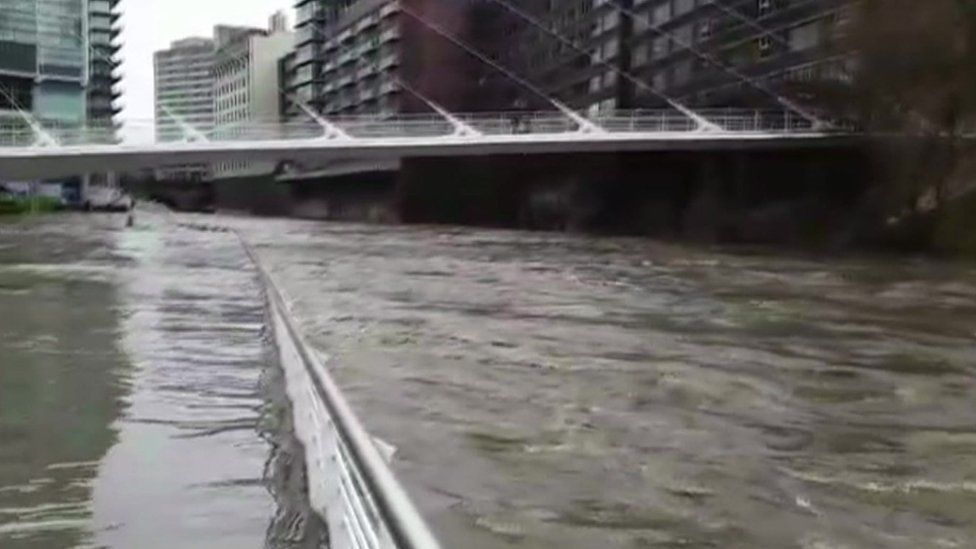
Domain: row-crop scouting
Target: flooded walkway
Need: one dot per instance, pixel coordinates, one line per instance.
(130, 388)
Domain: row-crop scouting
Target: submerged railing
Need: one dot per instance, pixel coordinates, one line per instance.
(350, 484)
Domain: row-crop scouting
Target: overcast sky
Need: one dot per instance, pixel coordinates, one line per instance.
(150, 25)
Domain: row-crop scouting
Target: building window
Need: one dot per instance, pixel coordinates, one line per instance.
(660, 47)
(764, 7)
(659, 81)
(682, 72)
(641, 24)
(705, 27)
(640, 55)
(682, 7)
(662, 13)
(684, 36)
(765, 45)
(805, 37)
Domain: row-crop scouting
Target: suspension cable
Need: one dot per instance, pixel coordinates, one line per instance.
(703, 123)
(460, 127)
(187, 129)
(583, 123)
(771, 33)
(39, 133)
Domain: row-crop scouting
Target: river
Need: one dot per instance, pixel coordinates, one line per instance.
(541, 390)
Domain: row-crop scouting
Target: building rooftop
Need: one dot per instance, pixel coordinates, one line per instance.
(191, 42)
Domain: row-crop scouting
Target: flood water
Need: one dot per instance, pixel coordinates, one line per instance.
(567, 391)
(131, 367)
(541, 390)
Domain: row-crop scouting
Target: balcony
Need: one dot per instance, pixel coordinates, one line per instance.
(105, 45)
(304, 94)
(104, 92)
(104, 8)
(347, 57)
(390, 34)
(370, 45)
(367, 22)
(392, 8)
(305, 55)
(389, 60)
(389, 87)
(100, 70)
(308, 12)
(366, 71)
(103, 105)
(307, 34)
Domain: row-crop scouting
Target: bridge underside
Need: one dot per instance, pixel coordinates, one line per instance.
(50, 162)
(812, 195)
(745, 195)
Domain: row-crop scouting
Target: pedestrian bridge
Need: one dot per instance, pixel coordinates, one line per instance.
(34, 152)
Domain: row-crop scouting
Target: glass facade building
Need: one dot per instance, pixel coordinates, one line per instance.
(57, 59)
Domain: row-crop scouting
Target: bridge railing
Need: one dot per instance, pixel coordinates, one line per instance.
(350, 483)
(410, 126)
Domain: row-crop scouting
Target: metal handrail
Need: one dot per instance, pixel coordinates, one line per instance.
(407, 125)
(369, 507)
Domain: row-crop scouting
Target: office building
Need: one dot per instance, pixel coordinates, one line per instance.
(346, 56)
(57, 59)
(58, 70)
(702, 53)
(707, 53)
(183, 77)
(246, 90)
(374, 56)
(103, 64)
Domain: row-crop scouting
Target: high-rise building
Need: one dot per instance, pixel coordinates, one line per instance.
(103, 30)
(368, 56)
(702, 53)
(219, 87)
(245, 84)
(731, 53)
(56, 61)
(183, 77)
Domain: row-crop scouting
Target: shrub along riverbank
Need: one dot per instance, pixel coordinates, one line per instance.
(24, 205)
